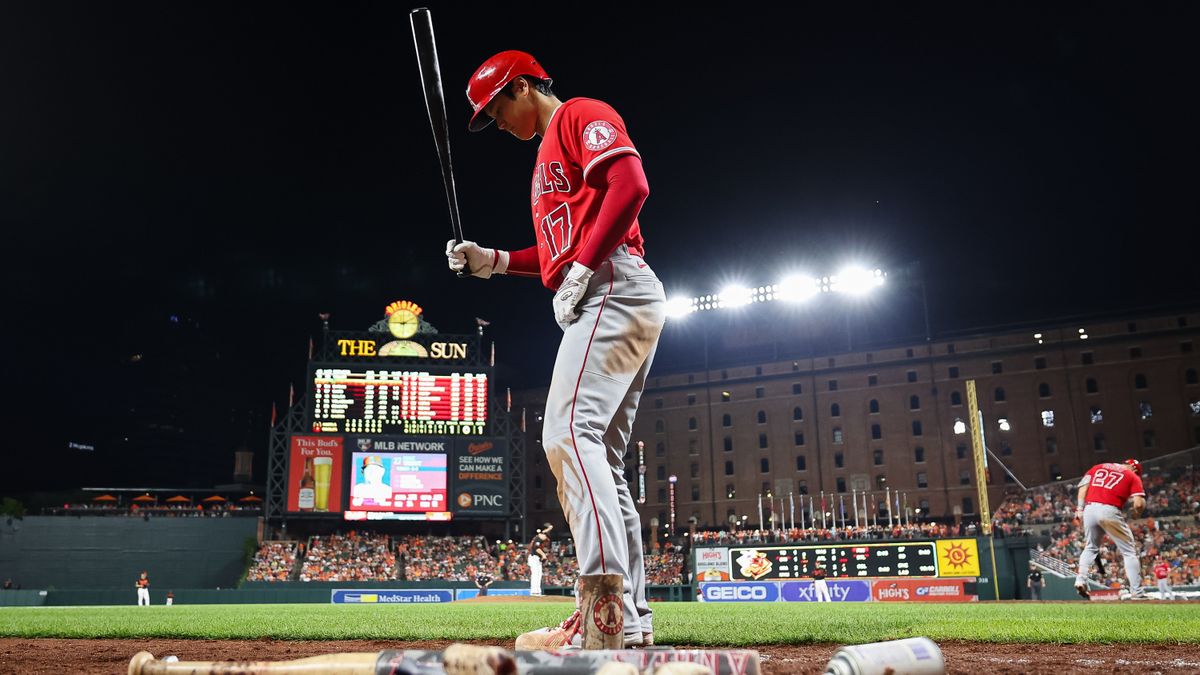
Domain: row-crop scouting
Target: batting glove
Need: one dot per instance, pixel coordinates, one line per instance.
(569, 295)
(475, 260)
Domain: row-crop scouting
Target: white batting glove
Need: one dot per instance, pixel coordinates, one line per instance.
(569, 295)
(475, 260)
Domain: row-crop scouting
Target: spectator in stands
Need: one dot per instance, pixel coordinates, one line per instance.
(8, 584)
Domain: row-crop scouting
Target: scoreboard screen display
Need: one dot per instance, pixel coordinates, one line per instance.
(851, 560)
(377, 401)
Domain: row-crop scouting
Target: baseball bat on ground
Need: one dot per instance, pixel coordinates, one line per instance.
(459, 659)
(435, 105)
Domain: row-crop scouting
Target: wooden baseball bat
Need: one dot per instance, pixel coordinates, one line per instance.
(435, 104)
(350, 663)
(462, 659)
(457, 659)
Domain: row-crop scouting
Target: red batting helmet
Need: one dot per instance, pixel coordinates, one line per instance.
(493, 76)
(1135, 465)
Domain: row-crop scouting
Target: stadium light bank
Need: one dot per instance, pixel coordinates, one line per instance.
(850, 281)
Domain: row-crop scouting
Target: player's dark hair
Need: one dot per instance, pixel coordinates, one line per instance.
(542, 86)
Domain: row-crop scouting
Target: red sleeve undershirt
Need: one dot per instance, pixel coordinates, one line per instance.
(625, 190)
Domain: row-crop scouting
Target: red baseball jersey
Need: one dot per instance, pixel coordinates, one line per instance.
(1162, 570)
(1112, 484)
(582, 134)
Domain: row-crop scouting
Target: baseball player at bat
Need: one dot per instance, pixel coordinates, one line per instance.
(587, 190)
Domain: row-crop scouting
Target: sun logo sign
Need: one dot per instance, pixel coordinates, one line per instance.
(958, 558)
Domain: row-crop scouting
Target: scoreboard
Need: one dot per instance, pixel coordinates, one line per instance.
(364, 400)
(856, 560)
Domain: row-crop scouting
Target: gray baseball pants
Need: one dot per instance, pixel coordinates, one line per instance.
(598, 379)
(1101, 519)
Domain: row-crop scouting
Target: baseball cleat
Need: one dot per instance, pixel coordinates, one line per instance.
(1082, 590)
(566, 635)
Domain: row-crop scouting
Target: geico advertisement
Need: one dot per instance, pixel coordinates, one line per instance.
(739, 591)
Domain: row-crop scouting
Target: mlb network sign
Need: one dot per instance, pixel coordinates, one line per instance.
(347, 596)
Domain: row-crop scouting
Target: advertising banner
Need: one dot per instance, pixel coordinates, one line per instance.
(712, 564)
(839, 591)
(480, 477)
(349, 596)
(468, 593)
(924, 590)
(958, 558)
(315, 474)
(739, 591)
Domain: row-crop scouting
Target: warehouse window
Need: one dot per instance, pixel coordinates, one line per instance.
(873, 407)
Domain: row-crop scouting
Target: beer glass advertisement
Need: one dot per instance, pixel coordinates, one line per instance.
(396, 478)
(314, 474)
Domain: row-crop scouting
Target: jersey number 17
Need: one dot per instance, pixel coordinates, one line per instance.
(557, 230)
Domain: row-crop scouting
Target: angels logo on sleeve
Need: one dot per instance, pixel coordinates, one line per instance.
(599, 135)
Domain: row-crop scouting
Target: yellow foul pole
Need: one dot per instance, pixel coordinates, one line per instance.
(981, 482)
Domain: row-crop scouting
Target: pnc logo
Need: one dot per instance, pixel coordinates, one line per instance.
(484, 501)
(479, 448)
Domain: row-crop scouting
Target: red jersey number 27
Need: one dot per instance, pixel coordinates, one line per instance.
(557, 230)
(1107, 479)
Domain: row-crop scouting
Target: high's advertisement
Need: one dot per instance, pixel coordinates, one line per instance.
(315, 474)
(924, 590)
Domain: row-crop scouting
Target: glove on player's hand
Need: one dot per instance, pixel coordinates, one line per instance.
(567, 299)
(475, 260)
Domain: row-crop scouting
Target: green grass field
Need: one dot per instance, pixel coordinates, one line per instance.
(732, 624)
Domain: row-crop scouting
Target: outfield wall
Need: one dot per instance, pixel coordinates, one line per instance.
(265, 593)
(66, 552)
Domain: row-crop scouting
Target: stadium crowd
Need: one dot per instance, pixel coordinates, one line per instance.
(359, 556)
(1175, 540)
(1168, 493)
(274, 561)
(797, 535)
(354, 556)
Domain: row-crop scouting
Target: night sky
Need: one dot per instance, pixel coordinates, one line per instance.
(205, 178)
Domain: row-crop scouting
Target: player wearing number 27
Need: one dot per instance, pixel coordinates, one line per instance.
(1102, 494)
(587, 190)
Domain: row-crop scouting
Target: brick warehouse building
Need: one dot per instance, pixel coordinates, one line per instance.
(1068, 396)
